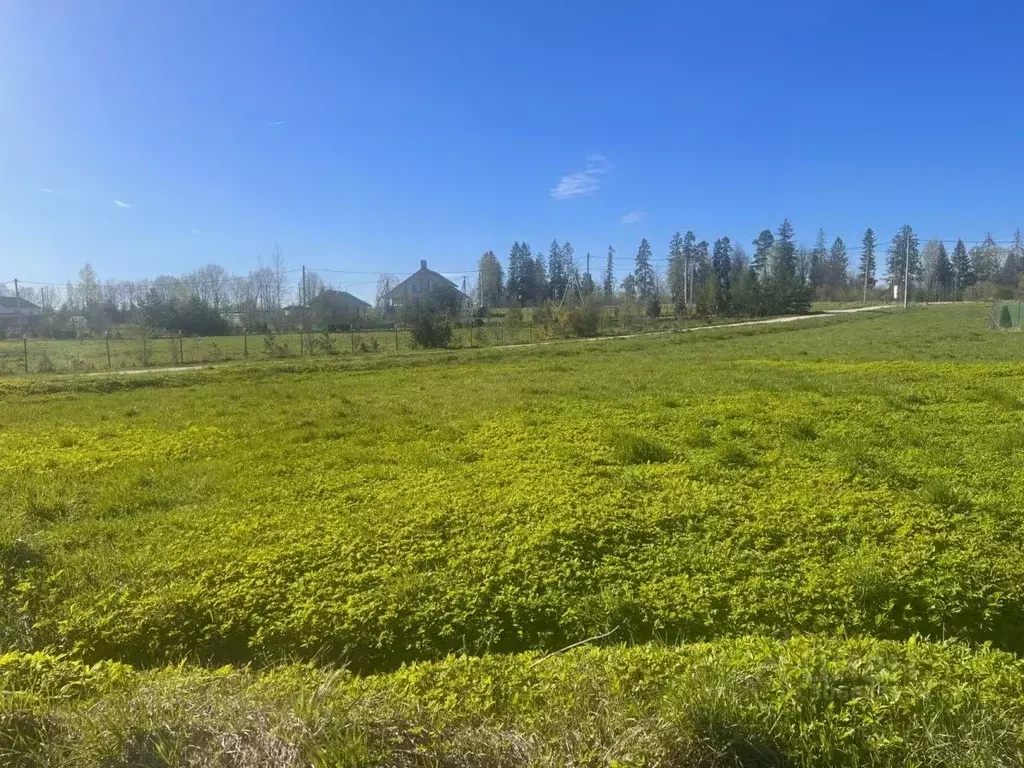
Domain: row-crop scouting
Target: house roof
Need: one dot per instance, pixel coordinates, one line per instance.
(10, 302)
(399, 290)
(346, 297)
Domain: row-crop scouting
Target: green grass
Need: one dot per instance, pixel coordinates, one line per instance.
(749, 702)
(856, 476)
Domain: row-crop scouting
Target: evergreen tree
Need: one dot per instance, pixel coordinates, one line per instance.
(643, 274)
(528, 292)
(786, 291)
(556, 271)
(986, 260)
(676, 270)
(542, 288)
(763, 246)
(609, 275)
(689, 265)
(838, 264)
(902, 260)
(587, 285)
(721, 264)
(706, 287)
(490, 280)
(514, 286)
(572, 272)
(943, 272)
(1010, 274)
(629, 286)
(963, 272)
(818, 271)
(867, 260)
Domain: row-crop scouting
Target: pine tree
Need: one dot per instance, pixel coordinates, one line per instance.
(986, 260)
(643, 274)
(676, 271)
(542, 287)
(963, 272)
(689, 265)
(838, 264)
(490, 280)
(867, 260)
(943, 272)
(572, 272)
(818, 271)
(556, 271)
(763, 246)
(902, 260)
(786, 290)
(514, 286)
(721, 264)
(1010, 274)
(609, 275)
(700, 269)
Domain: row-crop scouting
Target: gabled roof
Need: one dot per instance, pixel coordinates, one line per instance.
(399, 291)
(10, 302)
(346, 297)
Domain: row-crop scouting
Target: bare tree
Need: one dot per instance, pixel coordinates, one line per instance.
(384, 284)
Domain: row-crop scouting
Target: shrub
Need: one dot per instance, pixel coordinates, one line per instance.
(654, 307)
(432, 330)
(585, 319)
(1005, 318)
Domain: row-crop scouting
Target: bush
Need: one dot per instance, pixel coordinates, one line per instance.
(1005, 318)
(585, 319)
(654, 307)
(432, 330)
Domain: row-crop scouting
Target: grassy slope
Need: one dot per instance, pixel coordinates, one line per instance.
(750, 702)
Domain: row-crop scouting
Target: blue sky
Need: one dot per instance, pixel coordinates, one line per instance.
(154, 137)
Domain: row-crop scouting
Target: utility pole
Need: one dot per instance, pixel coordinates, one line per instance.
(867, 266)
(17, 304)
(303, 329)
(588, 265)
(906, 273)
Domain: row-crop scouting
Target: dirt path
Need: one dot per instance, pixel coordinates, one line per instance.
(767, 321)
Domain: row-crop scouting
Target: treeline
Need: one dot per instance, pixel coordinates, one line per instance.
(208, 301)
(779, 277)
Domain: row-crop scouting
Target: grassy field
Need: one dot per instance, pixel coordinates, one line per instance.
(684, 496)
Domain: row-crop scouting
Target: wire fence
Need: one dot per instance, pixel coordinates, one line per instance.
(1006, 315)
(134, 352)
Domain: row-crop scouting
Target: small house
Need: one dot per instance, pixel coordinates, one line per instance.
(418, 288)
(16, 313)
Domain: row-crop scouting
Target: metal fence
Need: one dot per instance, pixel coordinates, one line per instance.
(115, 352)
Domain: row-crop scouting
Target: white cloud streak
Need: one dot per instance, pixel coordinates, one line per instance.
(276, 122)
(583, 183)
(634, 216)
(122, 204)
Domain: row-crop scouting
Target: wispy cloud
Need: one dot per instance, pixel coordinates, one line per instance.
(122, 204)
(585, 182)
(634, 216)
(197, 232)
(48, 190)
(276, 122)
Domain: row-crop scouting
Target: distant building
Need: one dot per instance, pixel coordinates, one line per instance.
(17, 312)
(418, 287)
(331, 308)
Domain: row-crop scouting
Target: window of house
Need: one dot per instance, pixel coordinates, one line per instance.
(433, 286)
(415, 286)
